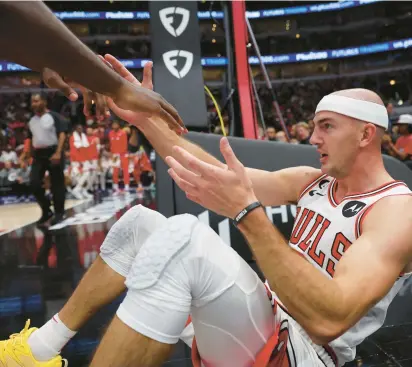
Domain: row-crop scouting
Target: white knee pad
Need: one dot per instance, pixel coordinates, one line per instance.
(160, 250)
(158, 300)
(185, 264)
(127, 235)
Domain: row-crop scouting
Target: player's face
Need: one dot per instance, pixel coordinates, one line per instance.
(79, 129)
(337, 140)
(115, 126)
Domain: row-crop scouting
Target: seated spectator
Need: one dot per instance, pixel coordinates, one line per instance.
(402, 149)
(8, 157)
(270, 133)
(281, 136)
(8, 162)
(303, 133)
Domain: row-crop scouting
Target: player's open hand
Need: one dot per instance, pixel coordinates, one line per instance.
(136, 101)
(54, 80)
(226, 191)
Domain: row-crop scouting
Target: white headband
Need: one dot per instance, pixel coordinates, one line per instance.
(358, 109)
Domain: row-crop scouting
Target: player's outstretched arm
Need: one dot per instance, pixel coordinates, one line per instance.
(325, 307)
(32, 36)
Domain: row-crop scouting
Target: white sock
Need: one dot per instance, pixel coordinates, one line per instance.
(49, 340)
(115, 186)
(126, 187)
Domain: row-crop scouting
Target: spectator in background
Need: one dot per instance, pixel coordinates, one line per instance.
(79, 145)
(270, 133)
(393, 116)
(48, 134)
(403, 146)
(8, 156)
(25, 158)
(303, 133)
(218, 128)
(8, 161)
(118, 147)
(292, 132)
(93, 153)
(281, 136)
(311, 125)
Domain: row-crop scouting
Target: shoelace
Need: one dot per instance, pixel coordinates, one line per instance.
(15, 339)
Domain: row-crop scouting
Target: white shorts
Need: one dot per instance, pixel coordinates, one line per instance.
(90, 165)
(181, 268)
(75, 169)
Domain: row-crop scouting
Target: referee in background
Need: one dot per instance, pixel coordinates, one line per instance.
(47, 131)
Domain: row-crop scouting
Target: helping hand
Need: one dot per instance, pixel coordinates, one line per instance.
(226, 191)
(137, 101)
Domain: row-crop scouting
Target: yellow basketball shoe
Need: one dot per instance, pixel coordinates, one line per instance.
(16, 352)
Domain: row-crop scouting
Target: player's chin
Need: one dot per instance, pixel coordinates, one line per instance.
(325, 167)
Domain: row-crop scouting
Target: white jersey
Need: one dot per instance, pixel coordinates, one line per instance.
(324, 229)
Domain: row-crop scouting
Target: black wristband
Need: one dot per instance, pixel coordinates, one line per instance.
(245, 212)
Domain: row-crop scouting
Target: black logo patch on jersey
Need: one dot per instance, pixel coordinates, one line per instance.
(321, 186)
(352, 208)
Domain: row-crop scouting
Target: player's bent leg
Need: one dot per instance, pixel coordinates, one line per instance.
(104, 281)
(122, 346)
(185, 268)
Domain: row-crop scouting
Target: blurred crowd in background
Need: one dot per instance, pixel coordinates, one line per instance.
(298, 87)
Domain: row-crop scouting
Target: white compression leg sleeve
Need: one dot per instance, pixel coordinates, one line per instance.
(127, 235)
(91, 180)
(82, 180)
(185, 267)
(102, 176)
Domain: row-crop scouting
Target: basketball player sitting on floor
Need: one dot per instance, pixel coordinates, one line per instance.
(326, 296)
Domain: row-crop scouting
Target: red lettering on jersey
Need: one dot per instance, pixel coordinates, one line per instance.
(300, 228)
(319, 259)
(306, 242)
(339, 246)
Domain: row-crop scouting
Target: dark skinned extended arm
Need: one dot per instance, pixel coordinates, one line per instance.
(31, 35)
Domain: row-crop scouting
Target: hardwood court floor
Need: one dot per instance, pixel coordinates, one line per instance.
(14, 216)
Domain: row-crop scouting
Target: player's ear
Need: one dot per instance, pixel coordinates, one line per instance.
(369, 132)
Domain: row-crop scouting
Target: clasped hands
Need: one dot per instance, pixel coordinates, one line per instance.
(134, 100)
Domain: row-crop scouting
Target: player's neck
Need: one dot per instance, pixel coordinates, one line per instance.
(364, 177)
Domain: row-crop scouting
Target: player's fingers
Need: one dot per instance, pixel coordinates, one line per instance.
(102, 110)
(121, 69)
(171, 122)
(54, 80)
(173, 114)
(185, 186)
(87, 102)
(183, 172)
(106, 62)
(123, 114)
(229, 155)
(147, 81)
(196, 165)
